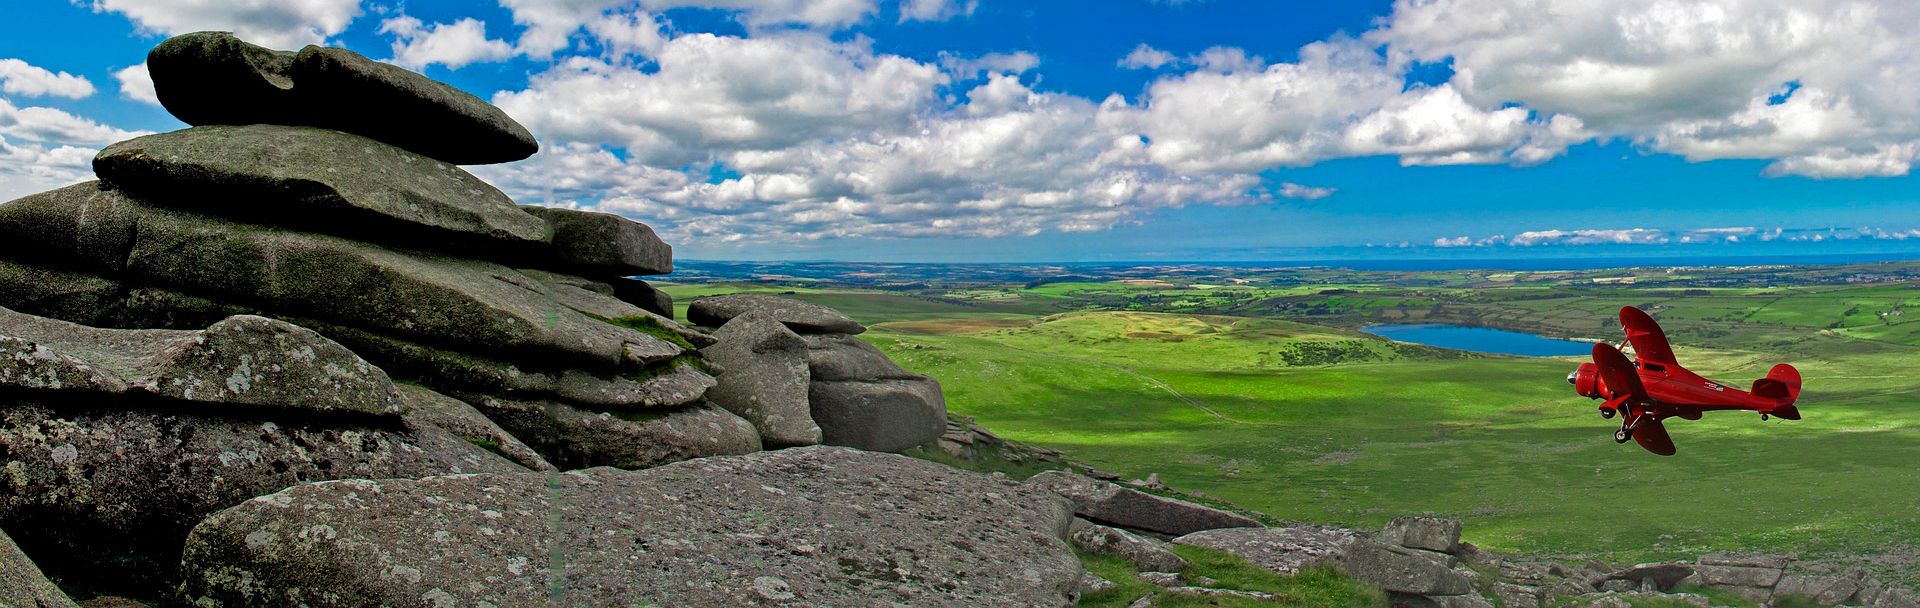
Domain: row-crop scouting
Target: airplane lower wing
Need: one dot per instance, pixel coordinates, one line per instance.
(1653, 436)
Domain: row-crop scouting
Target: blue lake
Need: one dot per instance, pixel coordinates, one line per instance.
(1479, 339)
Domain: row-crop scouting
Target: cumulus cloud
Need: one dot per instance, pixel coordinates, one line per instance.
(1293, 190)
(1144, 56)
(456, 44)
(21, 78)
(26, 168)
(1828, 88)
(136, 83)
(55, 126)
(272, 23)
(711, 94)
(966, 68)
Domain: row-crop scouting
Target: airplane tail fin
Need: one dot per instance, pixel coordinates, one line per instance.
(1783, 382)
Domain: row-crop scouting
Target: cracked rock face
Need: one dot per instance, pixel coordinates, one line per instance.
(101, 489)
(815, 526)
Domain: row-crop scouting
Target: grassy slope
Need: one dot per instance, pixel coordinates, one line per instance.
(1498, 442)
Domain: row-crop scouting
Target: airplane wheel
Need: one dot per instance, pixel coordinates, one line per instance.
(1621, 436)
(1607, 412)
(1763, 417)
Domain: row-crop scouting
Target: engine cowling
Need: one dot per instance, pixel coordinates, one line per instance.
(1585, 380)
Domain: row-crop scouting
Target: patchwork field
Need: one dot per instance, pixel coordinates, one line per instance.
(1302, 419)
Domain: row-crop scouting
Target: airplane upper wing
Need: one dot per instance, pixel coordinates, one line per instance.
(1649, 343)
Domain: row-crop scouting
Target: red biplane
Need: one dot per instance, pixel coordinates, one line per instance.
(1653, 387)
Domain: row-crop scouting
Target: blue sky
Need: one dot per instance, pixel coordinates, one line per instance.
(1089, 130)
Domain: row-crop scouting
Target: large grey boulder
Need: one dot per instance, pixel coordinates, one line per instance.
(764, 379)
(801, 317)
(213, 78)
(882, 415)
(1398, 570)
(602, 244)
(1738, 576)
(574, 438)
(1823, 590)
(844, 357)
(1145, 554)
(475, 306)
(676, 385)
(1278, 550)
(317, 179)
(457, 417)
(104, 488)
(814, 526)
(242, 360)
(1430, 533)
(1111, 504)
(22, 584)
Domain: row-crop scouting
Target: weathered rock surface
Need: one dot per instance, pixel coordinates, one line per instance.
(1278, 550)
(680, 384)
(844, 357)
(317, 179)
(480, 306)
(1430, 533)
(801, 317)
(1738, 576)
(1394, 569)
(643, 295)
(764, 379)
(1659, 576)
(455, 416)
(881, 416)
(1145, 554)
(1110, 504)
(243, 360)
(809, 526)
(213, 78)
(572, 438)
(105, 488)
(602, 244)
(22, 584)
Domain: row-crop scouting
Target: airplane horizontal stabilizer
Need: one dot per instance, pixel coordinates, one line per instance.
(1782, 382)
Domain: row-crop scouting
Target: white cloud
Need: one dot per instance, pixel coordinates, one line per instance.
(136, 83)
(1293, 190)
(456, 44)
(1458, 241)
(55, 126)
(28, 168)
(21, 78)
(1641, 236)
(936, 10)
(272, 23)
(710, 94)
(967, 68)
(1705, 79)
(1147, 57)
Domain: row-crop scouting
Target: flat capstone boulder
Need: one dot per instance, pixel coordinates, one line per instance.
(1397, 569)
(242, 360)
(640, 293)
(318, 179)
(1114, 505)
(1281, 551)
(602, 244)
(764, 379)
(214, 78)
(815, 526)
(801, 317)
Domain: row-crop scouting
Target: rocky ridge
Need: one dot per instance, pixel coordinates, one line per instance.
(296, 356)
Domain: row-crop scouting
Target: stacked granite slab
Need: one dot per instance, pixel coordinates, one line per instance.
(797, 372)
(321, 188)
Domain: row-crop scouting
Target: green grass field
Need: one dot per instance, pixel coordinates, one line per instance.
(1380, 429)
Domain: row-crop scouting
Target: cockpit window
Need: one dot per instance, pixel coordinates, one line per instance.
(1652, 367)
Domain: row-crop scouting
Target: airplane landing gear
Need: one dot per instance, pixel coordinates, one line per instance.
(1763, 417)
(1606, 412)
(1622, 435)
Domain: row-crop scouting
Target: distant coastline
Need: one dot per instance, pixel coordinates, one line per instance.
(1527, 264)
